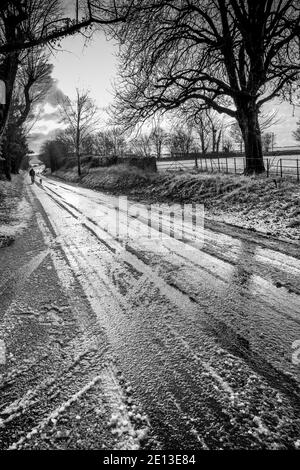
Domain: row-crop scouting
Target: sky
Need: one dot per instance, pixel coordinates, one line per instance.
(94, 67)
(90, 67)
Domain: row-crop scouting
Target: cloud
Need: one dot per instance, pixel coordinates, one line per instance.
(46, 127)
(49, 116)
(37, 138)
(54, 95)
(40, 129)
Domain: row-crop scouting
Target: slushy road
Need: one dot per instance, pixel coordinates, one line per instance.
(205, 333)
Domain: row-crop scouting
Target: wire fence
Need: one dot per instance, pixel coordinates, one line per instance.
(276, 166)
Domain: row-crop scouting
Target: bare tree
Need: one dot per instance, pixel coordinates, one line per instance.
(118, 138)
(106, 143)
(32, 23)
(206, 123)
(230, 55)
(33, 82)
(54, 153)
(227, 145)
(20, 21)
(100, 143)
(216, 126)
(268, 141)
(181, 140)
(81, 117)
(158, 138)
(296, 133)
(236, 135)
(141, 145)
(203, 129)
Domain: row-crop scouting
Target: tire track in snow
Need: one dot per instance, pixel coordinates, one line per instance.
(112, 392)
(172, 291)
(227, 251)
(148, 274)
(93, 286)
(129, 438)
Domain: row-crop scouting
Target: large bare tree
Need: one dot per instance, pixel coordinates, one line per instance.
(30, 23)
(81, 117)
(33, 82)
(158, 136)
(230, 55)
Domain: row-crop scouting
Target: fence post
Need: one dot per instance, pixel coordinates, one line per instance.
(226, 164)
(219, 163)
(281, 168)
(298, 178)
(268, 168)
(234, 165)
(196, 161)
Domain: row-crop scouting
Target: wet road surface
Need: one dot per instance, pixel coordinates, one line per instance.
(175, 343)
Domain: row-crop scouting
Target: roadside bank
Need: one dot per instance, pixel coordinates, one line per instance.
(270, 206)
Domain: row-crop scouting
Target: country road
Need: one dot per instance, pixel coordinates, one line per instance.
(123, 336)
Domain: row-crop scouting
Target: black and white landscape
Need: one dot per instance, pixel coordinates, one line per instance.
(150, 227)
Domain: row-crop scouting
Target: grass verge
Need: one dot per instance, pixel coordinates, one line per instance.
(14, 210)
(267, 205)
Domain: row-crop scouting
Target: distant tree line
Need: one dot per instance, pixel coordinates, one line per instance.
(203, 132)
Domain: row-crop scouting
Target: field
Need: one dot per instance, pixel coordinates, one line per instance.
(275, 165)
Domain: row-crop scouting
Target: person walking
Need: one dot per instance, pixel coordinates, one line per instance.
(32, 175)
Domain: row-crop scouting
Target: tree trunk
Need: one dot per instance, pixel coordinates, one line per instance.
(202, 140)
(218, 142)
(53, 163)
(8, 72)
(158, 151)
(78, 155)
(213, 140)
(78, 161)
(248, 121)
(78, 136)
(196, 160)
